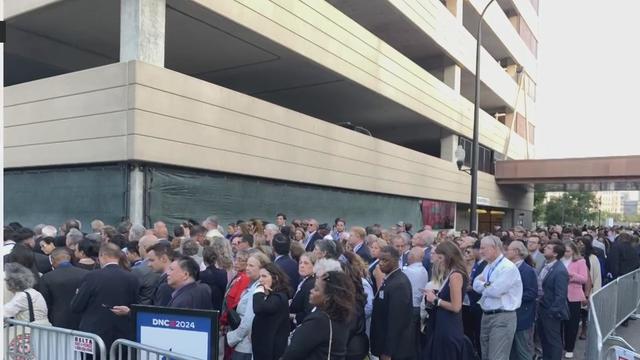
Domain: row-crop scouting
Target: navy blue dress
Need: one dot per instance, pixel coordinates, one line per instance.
(445, 334)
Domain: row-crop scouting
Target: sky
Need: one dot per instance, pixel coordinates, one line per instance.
(588, 89)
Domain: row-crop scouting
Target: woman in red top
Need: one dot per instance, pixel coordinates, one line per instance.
(232, 297)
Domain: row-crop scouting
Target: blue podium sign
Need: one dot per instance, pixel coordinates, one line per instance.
(185, 331)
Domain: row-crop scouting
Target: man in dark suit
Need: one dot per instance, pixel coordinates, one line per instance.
(312, 235)
(356, 240)
(522, 347)
(188, 294)
(147, 278)
(622, 258)
(553, 307)
(58, 288)
(159, 257)
(401, 243)
(392, 334)
(100, 291)
(472, 314)
(282, 247)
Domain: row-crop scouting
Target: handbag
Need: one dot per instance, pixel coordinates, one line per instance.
(20, 347)
(233, 318)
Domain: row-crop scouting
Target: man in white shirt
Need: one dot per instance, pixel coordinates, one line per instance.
(501, 288)
(417, 274)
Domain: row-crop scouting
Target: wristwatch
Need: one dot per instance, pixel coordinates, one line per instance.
(487, 284)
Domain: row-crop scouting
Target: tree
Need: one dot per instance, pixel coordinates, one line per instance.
(538, 205)
(571, 208)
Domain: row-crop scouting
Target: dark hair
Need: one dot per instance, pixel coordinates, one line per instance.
(15, 225)
(48, 240)
(198, 230)
(452, 257)
(329, 247)
(88, 247)
(132, 247)
(124, 227)
(281, 244)
(408, 226)
(23, 234)
(209, 255)
(119, 240)
(283, 215)
(624, 237)
(161, 249)
(558, 248)
(190, 266)
(248, 238)
(22, 255)
(71, 224)
(280, 279)
(178, 231)
(350, 270)
(395, 255)
(110, 232)
(339, 293)
(9, 233)
(337, 220)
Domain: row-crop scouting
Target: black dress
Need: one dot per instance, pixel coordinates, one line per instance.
(270, 328)
(445, 335)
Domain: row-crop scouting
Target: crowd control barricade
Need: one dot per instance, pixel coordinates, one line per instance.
(608, 308)
(122, 349)
(27, 341)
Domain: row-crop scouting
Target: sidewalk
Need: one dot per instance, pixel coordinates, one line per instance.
(630, 333)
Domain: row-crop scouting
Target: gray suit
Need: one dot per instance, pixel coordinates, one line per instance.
(538, 259)
(148, 282)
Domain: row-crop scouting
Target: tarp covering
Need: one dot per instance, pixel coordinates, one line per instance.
(51, 196)
(176, 194)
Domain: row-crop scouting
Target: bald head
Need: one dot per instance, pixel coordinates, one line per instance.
(160, 230)
(415, 255)
(145, 243)
(59, 256)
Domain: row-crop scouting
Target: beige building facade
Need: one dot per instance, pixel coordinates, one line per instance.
(171, 96)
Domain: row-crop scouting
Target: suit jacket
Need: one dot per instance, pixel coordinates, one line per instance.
(162, 294)
(58, 288)
(554, 298)
(392, 330)
(217, 281)
(192, 296)
(312, 242)
(148, 280)
(364, 253)
(289, 267)
(99, 290)
(527, 311)
(43, 264)
(271, 322)
(300, 303)
(372, 267)
(622, 259)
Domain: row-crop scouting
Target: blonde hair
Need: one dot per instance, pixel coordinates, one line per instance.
(261, 258)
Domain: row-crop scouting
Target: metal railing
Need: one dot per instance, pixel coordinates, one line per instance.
(25, 340)
(608, 308)
(125, 349)
(618, 352)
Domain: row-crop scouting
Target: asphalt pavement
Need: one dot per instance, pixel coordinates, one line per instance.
(630, 333)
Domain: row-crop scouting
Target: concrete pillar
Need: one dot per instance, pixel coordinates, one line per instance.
(142, 29)
(136, 195)
(448, 146)
(453, 77)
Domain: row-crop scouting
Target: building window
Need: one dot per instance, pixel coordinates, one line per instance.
(485, 156)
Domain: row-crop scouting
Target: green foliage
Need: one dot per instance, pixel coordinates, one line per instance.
(571, 208)
(538, 206)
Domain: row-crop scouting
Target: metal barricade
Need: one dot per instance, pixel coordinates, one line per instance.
(122, 349)
(627, 295)
(25, 341)
(608, 308)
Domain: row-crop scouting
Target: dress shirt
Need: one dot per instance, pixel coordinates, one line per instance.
(418, 277)
(504, 289)
(543, 274)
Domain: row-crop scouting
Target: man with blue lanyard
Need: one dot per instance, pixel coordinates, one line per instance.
(501, 288)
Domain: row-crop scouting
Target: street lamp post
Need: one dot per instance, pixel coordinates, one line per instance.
(473, 224)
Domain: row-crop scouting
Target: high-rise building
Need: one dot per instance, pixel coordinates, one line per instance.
(174, 109)
(610, 201)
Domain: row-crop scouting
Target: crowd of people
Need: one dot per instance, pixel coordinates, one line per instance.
(304, 290)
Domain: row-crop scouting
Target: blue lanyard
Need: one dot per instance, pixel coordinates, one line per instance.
(493, 268)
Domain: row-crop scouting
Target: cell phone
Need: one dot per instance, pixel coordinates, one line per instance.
(107, 306)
